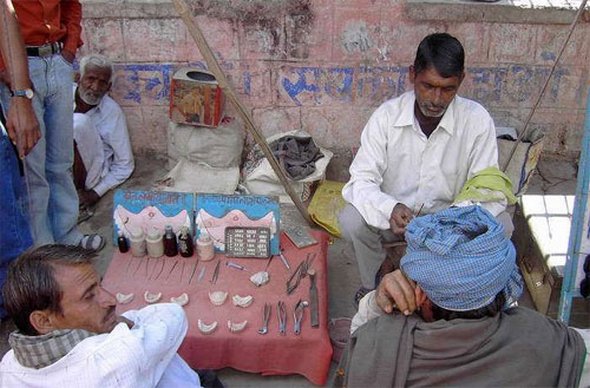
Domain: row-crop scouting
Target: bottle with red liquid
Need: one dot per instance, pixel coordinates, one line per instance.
(170, 247)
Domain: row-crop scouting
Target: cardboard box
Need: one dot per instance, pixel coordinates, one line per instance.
(195, 98)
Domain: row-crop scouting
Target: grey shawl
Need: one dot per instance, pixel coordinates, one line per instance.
(518, 347)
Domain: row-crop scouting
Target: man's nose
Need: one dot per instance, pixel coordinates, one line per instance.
(106, 298)
(437, 96)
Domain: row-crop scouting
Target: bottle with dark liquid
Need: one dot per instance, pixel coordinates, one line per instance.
(122, 243)
(170, 247)
(185, 242)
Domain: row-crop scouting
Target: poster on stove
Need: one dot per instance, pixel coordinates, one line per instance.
(136, 210)
(215, 212)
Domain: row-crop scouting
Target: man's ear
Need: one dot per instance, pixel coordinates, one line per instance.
(42, 321)
(461, 78)
(412, 73)
(76, 77)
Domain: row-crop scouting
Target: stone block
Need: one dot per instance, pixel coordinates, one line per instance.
(274, 120)
(512, 43)
(475, 40)
(566, 88)
(335, 127)
(103, 37)
(143, 83)
(252, 82)
(134, 118)
(551, 38)
(263, 40)
(310, 39)
(400, 39)
(356, 33)
(155, 40)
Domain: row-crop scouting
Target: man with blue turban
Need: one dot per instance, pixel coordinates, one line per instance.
(460, 278)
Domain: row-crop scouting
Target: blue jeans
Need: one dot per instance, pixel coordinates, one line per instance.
(15, 236)
(53, 197)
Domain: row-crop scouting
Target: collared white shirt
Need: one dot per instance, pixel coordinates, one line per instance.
(143, 356)
(115, 162)
(397, 163)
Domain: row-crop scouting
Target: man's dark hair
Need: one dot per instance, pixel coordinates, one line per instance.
(442, 52)
(31, 284)
(489, 310)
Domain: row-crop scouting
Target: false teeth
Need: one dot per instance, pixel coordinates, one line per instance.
(152, 297)
(181, 300)
(124, 298)
(242, 301)
(218, 297)
(205, 328)
(236, 327)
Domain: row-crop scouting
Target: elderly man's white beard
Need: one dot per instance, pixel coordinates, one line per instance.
(89, 97)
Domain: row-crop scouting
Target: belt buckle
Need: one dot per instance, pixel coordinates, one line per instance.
(46, 50)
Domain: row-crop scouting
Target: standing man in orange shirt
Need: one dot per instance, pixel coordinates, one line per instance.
(51, 33)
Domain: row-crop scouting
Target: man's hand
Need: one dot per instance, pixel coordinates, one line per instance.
(401, 216)
(22, 125)
(88, 198)
(397, 291)
(128, 322)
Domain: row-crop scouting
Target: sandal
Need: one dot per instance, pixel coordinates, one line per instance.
(360, 293)
(93, 242)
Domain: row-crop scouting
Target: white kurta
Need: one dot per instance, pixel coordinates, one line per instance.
(103, 143)
(143, 356)
(397, 163)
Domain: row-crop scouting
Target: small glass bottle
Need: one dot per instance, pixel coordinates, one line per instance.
(205, 248)
(122, 242)
(170, 247)
(137, 242)
(155, 247)
(185, 242)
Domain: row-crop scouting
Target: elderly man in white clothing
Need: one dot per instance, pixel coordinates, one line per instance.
(103, 156)
(69, 334)
(417, 152)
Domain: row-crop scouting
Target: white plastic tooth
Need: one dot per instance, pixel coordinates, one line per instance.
(152, 297)
(206, 328)
(236, 327)
(242, 301)
(124, 298)
(180, 300)
(218, 297)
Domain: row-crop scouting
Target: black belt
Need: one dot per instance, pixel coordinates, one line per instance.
(46, 50)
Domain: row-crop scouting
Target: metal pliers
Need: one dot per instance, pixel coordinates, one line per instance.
(298, 315)
(282, 316)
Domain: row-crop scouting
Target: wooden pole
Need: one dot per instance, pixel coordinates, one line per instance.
(213, 65)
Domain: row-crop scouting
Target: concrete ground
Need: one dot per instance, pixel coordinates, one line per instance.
(553, 177)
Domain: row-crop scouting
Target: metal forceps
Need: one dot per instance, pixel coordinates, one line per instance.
(282, 315)
(298, 315)
(299, 273)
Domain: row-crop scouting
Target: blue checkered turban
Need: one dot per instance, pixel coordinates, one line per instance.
(461, 258)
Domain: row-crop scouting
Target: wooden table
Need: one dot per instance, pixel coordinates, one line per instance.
(307, 354)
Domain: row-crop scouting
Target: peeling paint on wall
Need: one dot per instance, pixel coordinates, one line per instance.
(355, 38)
(278, 27)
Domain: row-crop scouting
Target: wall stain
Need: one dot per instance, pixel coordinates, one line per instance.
(280, 26)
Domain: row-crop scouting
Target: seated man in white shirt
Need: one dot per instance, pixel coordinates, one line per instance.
(417, 152)
(70, 336)
(103, 156)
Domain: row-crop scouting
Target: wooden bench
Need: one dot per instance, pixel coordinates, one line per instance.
(541, 236)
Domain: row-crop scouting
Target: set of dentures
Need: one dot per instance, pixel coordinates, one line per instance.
(152, 297)
(218, 298)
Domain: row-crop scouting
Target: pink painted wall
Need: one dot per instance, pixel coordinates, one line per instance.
(325, 67)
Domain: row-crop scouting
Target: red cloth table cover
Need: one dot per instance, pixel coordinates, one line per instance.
(308, 354)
